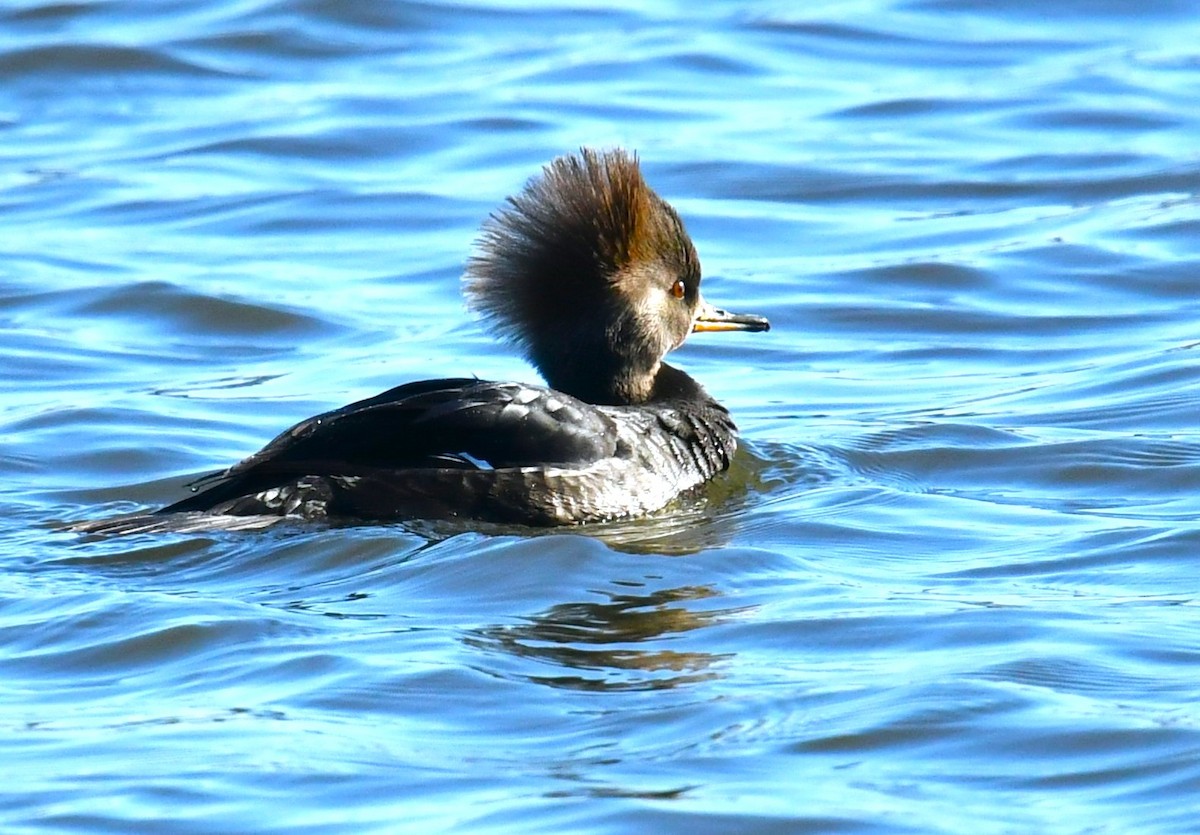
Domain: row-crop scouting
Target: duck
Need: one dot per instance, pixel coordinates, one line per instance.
(594, 279)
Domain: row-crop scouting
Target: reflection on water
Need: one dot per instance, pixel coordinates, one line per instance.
(596, 638)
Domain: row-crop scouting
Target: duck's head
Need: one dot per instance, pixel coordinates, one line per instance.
(593, 275)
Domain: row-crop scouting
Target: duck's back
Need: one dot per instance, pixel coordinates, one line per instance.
(465, 448)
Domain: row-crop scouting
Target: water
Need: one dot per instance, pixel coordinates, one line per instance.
(949, 585)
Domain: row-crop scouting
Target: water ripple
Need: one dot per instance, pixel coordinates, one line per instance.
(947, 585)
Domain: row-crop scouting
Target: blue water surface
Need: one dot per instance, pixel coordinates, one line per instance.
(950, 584)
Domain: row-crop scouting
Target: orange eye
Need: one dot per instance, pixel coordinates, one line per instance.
(678, 288)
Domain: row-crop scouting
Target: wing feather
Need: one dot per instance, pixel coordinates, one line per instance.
(432, 424)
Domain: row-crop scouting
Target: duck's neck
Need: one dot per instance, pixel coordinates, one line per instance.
(671, 384)
(621, 387)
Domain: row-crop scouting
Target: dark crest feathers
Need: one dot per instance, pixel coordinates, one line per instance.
(548, 253)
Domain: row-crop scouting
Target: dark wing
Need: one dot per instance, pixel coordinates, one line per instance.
(443, 424)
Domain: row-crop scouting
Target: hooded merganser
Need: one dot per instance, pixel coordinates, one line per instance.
(594, 277)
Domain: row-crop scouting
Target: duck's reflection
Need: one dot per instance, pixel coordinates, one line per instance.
(599, 645)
